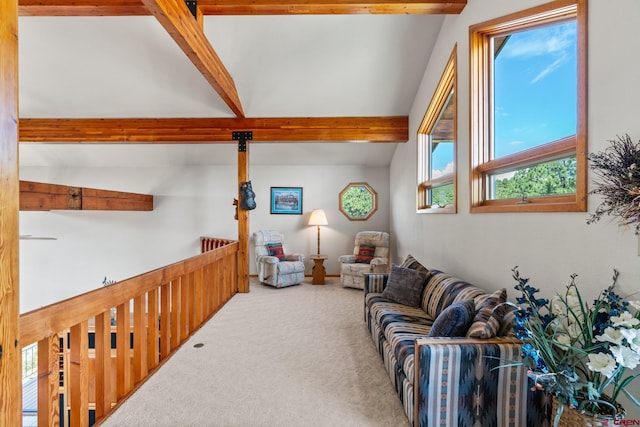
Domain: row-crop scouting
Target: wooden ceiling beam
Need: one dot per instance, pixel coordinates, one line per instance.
(243, 7)
(38, 196)
(214, 130)
(176, 18)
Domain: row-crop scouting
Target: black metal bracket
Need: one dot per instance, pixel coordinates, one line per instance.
(242, 137)
(193, 7)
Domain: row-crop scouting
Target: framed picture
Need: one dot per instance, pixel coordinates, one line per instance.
(286, 200)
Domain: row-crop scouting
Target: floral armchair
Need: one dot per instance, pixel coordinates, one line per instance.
(370, 255)
(276, 266)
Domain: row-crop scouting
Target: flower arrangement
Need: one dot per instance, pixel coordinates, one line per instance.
(618, 170)
(578, 352)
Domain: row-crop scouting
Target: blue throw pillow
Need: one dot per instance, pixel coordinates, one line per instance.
(454, 320)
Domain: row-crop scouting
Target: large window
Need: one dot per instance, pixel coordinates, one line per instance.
(437, 147)
(528, 110)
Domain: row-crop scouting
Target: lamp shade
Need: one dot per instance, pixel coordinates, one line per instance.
(318, 217)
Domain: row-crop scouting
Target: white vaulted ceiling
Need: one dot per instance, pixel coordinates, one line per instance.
(282, 66)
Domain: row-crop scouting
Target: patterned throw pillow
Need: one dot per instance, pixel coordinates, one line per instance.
(454, 320)
(365, 254)
(486, 322)
(411, 262)
(275, 249)
(404, 286)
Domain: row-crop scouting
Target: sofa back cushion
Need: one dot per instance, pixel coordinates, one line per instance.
(442, 290)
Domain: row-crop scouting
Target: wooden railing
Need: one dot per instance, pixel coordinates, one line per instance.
(211, 243)
(153, 314)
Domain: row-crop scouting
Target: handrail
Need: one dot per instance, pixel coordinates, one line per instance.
(155, 313)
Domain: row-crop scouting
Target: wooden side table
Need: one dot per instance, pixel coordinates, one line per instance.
(318, 271)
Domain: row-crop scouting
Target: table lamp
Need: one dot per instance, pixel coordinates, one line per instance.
(318, 218)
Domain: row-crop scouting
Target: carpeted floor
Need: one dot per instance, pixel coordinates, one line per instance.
(297, 356)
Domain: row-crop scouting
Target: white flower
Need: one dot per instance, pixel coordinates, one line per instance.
(563, 339)
(626, 357)
(602, 363)
(611, 335)
(625, 319)
(557, 306)
(633, 338)
(574, 330)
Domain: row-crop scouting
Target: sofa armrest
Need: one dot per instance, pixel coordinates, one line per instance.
(470, 378)
(375, 282)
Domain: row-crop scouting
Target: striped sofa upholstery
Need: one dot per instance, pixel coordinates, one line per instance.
(452, 382)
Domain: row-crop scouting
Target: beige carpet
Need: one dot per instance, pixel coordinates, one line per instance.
(297, 356)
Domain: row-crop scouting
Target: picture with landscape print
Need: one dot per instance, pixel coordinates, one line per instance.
(286, 200)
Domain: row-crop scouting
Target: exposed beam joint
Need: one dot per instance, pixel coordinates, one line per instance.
(211, 131)
(176, 18)
(243, 7)
(37, 196)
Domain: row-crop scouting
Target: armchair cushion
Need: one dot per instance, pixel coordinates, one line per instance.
(276, 250)
(365, 254)
(454, 320)
(404, 286)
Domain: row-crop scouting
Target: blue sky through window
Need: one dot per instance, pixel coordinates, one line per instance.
(535, 88)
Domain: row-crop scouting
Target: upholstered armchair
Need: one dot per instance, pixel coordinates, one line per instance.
(276, 265)
(370, 255)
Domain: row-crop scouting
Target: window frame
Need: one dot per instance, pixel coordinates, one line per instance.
(448, 83)
(481, 105)
(369, 189)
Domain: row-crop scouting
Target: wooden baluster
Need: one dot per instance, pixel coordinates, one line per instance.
(184, 308)
(199, 309)
(48, 381)
(123, 350)
(103, 364)
(79, 375)
(193, 303)
(152, 331)
(211, 277)
(176, 309)
(165, 321)
(140, 367)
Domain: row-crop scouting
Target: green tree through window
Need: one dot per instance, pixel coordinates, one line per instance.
(547, 179)
(358, 201)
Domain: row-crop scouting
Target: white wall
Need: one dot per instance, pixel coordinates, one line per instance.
(189, 202)
(547, 247)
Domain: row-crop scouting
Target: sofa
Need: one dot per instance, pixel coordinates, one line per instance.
(451, 377)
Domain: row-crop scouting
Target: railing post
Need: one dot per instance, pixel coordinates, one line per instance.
(10, 348)
(243, 220)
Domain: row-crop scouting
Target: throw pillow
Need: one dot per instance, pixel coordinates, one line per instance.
(486, 322)
(454, 320)
(404, 286)
(414, 264)
(276, 250)
(365, 254)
